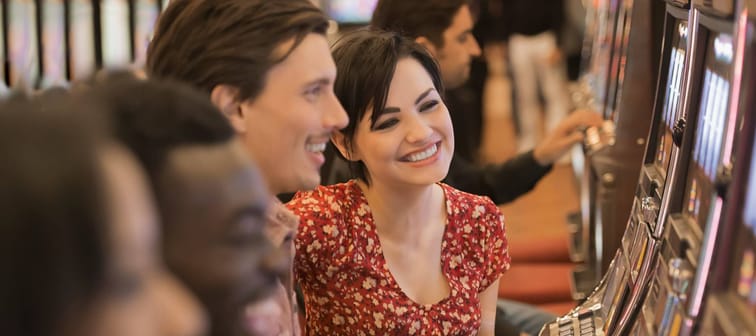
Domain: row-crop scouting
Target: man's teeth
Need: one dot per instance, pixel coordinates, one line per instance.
(424, 154)
(315, 148)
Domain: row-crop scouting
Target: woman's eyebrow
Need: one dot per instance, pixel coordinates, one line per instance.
(423, 95)
(390, 110)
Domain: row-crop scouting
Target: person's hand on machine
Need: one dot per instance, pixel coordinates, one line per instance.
(568, 133)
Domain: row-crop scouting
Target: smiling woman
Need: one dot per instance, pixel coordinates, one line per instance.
(363, 91)
(404, 253)
(410, 140)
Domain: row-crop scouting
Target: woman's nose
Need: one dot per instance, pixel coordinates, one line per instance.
(418, 130)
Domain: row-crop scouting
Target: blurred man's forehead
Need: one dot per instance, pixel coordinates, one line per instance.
(208, 166)
(213, 175)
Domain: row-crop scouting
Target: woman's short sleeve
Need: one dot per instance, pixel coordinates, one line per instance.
(496, 246)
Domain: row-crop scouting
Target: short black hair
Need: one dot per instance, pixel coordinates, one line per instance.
(232, 42)
(154, 117)
(415, 18)
(365, 61)
(54, 242)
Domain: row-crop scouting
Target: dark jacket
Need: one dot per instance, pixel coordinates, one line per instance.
(503, 183)
(499, 19)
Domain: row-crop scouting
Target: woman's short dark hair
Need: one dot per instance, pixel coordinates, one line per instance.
(365, 63)
(233, 42)
(415, 18)
(53, 239)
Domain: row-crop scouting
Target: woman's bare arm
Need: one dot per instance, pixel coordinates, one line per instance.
(488, 309)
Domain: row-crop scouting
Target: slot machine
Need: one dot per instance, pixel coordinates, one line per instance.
(82, 57)
(23, 51)
(673, 301)
(581, 97)
(53, 44)
(590, 94)
(615, 157)
(115, 36)
(607, 309)
(730, 297)
(145, 16)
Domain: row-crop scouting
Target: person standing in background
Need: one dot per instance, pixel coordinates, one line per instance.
(533, 30)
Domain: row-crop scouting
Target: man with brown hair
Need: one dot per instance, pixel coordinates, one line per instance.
(267, 66)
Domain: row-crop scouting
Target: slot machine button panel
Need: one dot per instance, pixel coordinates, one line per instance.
(680, 276)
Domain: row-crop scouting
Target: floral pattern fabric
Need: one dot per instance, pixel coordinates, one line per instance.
(348, 288)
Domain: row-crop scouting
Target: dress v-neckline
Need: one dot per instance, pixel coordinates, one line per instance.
(383, 264)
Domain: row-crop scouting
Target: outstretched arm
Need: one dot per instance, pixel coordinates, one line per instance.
(505, 182)
(565, 135)
(501, 182)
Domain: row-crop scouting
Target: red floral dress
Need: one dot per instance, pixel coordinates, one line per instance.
(348, 288)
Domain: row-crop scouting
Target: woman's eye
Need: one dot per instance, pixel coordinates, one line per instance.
(385, 124)
(429, 105)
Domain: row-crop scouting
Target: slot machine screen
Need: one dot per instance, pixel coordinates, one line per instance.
(53, 44)
(743, 275)
(602, 49)
(621, 41)
(749, 207)
(116, 40)
(710, 128)
(23, 54)
(81, 38)
(672, 91)
(350, 11)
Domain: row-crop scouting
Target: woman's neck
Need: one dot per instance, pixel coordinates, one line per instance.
(404, 212)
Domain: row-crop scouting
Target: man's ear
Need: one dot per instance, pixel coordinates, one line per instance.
(425, 42)
(224, 97)
(337, 138)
